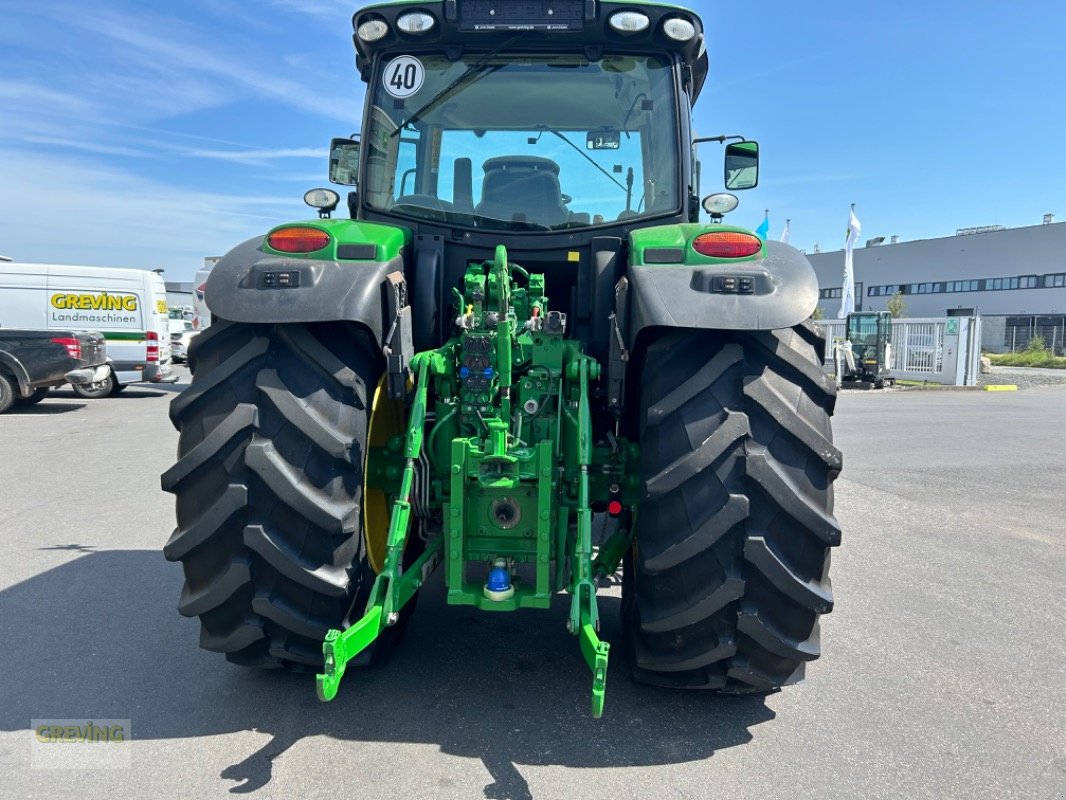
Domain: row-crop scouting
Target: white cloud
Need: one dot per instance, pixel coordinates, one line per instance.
(118, 218)
(88, 147)
(260, 156)
(20, 95)
(187, 52)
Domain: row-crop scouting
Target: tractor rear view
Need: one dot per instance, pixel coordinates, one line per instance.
(521, 325)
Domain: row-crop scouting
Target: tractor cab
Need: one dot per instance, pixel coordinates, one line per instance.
(555, 129)
(582, 105)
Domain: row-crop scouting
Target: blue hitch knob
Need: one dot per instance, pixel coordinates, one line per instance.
(498, 587)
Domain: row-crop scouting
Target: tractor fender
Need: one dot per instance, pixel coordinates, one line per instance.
(239, 289)
(785, 293)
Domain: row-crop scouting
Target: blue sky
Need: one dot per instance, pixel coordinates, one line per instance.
(149, 134)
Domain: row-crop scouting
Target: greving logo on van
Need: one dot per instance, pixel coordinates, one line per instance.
(100, 301)
(103, 310)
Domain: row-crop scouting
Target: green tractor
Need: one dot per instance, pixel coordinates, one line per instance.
(522, 328)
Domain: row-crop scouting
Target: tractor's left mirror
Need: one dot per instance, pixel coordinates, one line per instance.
(741, 166)
(344, 162)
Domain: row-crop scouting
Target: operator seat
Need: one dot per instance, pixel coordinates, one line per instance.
(524, 189)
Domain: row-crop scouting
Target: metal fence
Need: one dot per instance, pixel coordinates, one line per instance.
(1020, 331)
(917, 346)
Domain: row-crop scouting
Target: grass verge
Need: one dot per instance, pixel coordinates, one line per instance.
(1028, 358)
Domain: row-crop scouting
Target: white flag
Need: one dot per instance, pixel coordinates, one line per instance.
(788, 226)
(847, 293)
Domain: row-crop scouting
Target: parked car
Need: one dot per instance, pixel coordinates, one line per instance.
(180, 341)
(128, 305)
(33, 361)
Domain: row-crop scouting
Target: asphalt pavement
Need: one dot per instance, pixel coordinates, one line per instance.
(943, 674)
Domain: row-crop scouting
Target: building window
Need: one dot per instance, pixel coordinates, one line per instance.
(943, 287)
(830, 294)
(883, 291)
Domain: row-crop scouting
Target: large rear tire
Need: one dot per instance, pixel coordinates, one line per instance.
(269, 486)
(729, 574)
(7, 392)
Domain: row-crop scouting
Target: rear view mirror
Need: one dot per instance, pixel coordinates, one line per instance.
(603, 140)
(344, 162)
(741, 165)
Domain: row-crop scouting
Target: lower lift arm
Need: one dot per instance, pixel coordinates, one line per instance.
(394, 586)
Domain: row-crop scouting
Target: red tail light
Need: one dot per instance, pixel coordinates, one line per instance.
(299, 240)
(152, 353)
(73, 346)
(727, 244)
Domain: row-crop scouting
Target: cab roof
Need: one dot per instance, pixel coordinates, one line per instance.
(524, 26)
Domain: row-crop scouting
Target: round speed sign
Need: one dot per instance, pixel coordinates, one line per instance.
(404, 76)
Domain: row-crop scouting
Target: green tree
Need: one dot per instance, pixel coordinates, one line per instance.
(895, 306)
(818, 314)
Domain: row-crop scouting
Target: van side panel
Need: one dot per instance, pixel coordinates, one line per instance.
(72, 291)
(23, 302)
(124, 304)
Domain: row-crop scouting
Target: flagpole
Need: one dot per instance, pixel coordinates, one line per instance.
(847, 292)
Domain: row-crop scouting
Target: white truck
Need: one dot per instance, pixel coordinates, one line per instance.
(129, 306)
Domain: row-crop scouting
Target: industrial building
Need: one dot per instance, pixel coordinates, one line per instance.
(1014, 278)
(179, 295)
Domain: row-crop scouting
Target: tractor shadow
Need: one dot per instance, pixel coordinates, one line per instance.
(100, 637)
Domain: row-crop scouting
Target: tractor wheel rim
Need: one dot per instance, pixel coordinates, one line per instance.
(386, 421)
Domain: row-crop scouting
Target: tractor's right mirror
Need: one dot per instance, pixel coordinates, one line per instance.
(741, 166)
(344, 162)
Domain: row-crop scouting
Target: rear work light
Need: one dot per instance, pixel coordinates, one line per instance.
(727, 244)
(151, 354)
(416, 22)
(299, 240)
(73, 346)
(627, 22)
(678, 29)
(372, 30)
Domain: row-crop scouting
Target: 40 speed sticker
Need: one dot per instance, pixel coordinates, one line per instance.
(404, 76)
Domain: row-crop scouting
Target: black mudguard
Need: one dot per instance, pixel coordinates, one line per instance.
(22, 377)
(328, 291)
(684, 296)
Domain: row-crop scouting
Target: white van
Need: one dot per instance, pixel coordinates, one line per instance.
(201, 317)
(129, 306)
